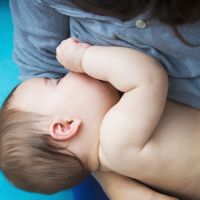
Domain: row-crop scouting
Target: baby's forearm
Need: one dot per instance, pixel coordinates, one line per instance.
(124, 68)
(144, 83)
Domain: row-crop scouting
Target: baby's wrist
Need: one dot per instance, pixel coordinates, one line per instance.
(83, 57)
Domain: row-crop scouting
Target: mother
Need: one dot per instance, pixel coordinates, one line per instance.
(165, 30)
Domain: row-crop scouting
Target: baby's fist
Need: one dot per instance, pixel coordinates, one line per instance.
(70, 52)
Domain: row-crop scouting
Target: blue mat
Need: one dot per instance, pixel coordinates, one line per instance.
(88, 189)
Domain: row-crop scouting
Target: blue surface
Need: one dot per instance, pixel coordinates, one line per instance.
(9, 192)
(88, 189)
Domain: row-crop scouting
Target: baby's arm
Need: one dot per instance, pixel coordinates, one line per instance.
(144, 84)
(141, 78)
(128, 125)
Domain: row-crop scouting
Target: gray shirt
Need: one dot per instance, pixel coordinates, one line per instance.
(40, 25)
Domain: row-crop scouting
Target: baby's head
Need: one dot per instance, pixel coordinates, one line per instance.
(50, 131)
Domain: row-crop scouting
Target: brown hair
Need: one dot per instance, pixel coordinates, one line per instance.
(31, 159)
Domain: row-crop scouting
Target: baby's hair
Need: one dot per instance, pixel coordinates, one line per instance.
(31, 159)
(171, 12)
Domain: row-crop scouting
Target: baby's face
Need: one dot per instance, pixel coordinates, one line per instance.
(73, 96)
(77, 94)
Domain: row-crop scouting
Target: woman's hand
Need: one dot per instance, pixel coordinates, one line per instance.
(70, 52)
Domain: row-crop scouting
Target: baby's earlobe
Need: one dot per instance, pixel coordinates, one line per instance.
(64, 129)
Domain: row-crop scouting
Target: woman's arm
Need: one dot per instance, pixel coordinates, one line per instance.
(118, 187)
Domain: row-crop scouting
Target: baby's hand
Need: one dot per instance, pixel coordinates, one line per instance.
(70, 52)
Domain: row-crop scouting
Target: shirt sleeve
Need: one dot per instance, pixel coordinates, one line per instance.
(38, 30)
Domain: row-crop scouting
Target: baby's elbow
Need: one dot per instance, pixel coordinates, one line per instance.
(156, 75)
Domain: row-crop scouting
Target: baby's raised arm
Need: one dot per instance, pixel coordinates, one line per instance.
(127, 126)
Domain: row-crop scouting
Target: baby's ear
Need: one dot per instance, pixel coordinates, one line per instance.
(64, 129)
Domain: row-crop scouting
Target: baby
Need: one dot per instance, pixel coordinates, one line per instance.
(53, 132)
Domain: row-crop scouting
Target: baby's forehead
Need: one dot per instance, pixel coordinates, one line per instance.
(26, 91)
(29, 84)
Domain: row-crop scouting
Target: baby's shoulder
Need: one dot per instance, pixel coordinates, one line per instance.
(115, 130)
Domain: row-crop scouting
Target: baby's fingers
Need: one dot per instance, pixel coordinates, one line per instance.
(59, 55)
(70, 53)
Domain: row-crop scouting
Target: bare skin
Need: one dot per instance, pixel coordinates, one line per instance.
(168, 159)
(93, 121)
(77, 126)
